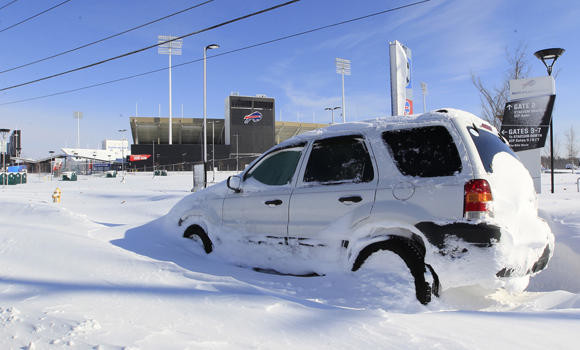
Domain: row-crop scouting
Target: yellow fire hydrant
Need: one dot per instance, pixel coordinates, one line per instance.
(56, 196)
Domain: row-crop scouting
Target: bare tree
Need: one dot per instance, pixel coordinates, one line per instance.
(546, 148)
(546, 151)
(571, 145)
(493, 99)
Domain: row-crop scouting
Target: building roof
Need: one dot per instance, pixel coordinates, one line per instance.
(146, 130)
(286, 130)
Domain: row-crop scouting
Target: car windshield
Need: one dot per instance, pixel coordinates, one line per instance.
(488, 145)
(277, 167)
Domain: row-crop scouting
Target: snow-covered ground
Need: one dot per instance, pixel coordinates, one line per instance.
(95, 271)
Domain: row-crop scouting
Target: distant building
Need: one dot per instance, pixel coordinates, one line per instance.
(13, 148)
(249, 124)
(248, 129)
(112, 151)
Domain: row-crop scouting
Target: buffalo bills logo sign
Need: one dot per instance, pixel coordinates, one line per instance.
(254, 117)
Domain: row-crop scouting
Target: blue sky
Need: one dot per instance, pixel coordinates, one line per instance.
(449, 40)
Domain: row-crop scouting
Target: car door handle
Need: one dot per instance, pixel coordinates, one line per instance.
(350, 199)
(273, 202)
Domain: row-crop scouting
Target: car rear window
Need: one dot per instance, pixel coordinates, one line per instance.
(488, 145)
(424, 151)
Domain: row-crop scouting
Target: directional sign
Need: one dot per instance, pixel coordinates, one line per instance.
(101, 165)
(526, 122)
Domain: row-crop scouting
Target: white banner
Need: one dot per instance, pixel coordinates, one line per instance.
(401, 87)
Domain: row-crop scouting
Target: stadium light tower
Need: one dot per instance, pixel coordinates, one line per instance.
(78, 116)
(548, 58)
(213, 150)
(331, 109)
(169, 45)
(208, 47)
(343, 68)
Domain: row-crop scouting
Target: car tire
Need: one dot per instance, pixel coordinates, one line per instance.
(413, 257)
(195, 230)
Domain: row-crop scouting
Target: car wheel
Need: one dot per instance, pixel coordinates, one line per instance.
(195, 231)
(414, 258)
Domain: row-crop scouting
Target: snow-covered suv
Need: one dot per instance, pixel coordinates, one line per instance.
(441, 190)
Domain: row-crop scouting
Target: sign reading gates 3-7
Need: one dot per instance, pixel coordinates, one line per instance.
(526, 118)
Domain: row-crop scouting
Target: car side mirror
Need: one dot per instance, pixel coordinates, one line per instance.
(235, 183)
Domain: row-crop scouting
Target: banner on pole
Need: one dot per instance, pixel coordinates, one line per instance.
(401, 84)
(138, 157)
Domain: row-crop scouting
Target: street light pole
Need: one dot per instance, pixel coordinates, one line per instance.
(549, 57)
(213, 146)
(424, 91)
(208, 47)
(78, 116)
(213, 149)
(170, 45)
(51, 153)
(237, 154)
(4, 132)
(170, 104)
(122, 131)
(331, 109)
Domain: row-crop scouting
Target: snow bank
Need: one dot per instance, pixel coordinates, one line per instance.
(524, 234)
(98, 271)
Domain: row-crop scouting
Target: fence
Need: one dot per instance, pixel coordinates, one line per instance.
(226, 164)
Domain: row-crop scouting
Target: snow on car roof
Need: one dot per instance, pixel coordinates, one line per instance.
(445, 114)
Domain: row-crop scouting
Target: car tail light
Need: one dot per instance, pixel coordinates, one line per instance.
(478, 199)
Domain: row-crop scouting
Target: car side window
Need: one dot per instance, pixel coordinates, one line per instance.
(278, 167)
(424, 152)
(339, 159)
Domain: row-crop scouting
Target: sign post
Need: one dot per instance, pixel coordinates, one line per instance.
(526, 120)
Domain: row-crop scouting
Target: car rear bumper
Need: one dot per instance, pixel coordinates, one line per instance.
(480, 235)
(537, 266)
(483, 253)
